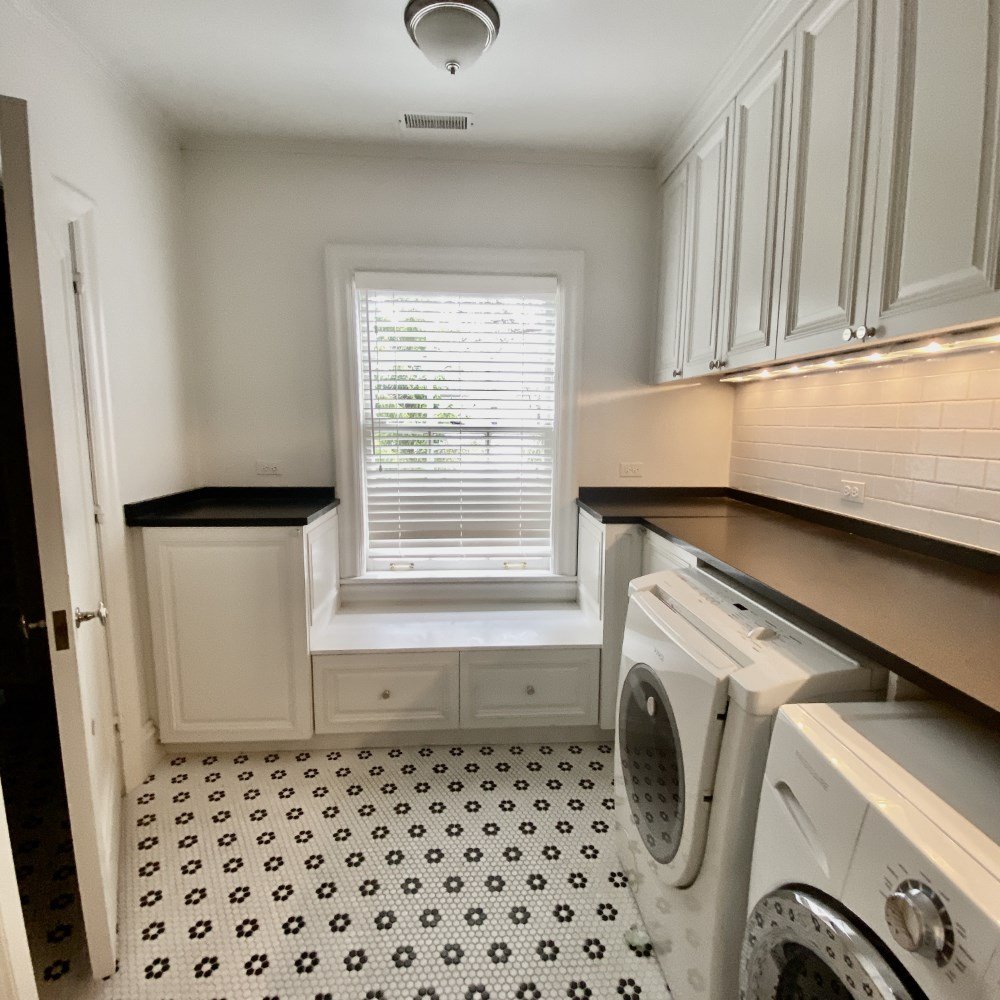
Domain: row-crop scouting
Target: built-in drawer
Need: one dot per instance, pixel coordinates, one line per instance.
(530, 687)
(374, 692)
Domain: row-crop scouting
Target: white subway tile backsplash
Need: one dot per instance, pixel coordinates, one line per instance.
(924, 436)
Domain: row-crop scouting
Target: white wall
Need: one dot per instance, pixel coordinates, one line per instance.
(923, 436)
(258, 217)
(88, 132)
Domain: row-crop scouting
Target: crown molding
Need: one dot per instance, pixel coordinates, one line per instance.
(219, 142)
(776, 19)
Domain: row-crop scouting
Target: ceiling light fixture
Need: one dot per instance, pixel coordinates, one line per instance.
(453, 34)
(956, 343)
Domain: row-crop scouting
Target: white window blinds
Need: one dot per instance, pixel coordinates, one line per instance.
(458, 384)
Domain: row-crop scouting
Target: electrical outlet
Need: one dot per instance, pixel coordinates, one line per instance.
(630, 470)
(852, 490)
(268, 469)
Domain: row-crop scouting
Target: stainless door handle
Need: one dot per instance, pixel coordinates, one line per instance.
(28, 627)
(79, 617)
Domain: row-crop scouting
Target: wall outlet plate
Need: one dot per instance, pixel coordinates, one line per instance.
(629, 470)
(852, 490)
(268, 469)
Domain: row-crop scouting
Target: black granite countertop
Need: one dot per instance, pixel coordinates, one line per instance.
(928, 610)
(233, 506)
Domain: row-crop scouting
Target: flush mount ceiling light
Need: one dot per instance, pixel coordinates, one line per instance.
(453, 34)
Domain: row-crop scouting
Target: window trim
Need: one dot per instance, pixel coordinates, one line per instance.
(342, 262)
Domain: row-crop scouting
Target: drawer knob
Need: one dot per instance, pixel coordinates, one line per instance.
(530, 689)
(385, 694)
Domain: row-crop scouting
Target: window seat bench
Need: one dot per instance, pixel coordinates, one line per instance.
(463, 667)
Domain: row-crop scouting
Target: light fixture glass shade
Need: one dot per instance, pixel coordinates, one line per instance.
(453, 34)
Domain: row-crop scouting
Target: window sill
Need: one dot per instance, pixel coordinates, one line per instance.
(451, 587)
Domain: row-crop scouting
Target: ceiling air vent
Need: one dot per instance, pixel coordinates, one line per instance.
(447, 123)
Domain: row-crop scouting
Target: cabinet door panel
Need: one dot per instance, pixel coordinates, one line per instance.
(673, 274)
(823, 254)
(529, 687)
(935, 249)
(757, 190)
(708, 198)
(228, 616)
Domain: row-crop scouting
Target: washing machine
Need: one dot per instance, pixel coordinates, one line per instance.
(876, 870)
(705, 666)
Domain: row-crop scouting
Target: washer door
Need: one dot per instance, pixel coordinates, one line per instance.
(671, 711)
(798, 947)
(652, 763)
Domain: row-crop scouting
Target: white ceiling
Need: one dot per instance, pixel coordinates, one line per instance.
(602, 75)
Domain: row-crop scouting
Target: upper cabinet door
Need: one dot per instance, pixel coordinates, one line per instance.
(673, 274)
(756, 212)
(936, 238)
(824, 280)
(708, 166)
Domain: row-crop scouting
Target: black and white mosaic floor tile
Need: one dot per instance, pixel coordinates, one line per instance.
(431, 873)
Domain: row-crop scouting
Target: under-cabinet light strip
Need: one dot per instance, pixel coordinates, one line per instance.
(949, 343)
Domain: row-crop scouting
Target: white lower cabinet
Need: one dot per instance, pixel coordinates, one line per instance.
(529, 687)
(229, 626)
(391, 692)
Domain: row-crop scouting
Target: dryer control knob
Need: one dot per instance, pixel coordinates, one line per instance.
(762, 632)
(915, 921)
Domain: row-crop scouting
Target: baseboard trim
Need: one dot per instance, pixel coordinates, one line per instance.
(433, 737)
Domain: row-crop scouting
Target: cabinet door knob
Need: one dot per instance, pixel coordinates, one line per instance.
(530, 689)
(720, 364)
(677, 373)
(711, 366)
(866, 332)
(848, 334)
(385, 694)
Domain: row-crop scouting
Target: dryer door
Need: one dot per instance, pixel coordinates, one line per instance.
(670, 719)
(798, 947)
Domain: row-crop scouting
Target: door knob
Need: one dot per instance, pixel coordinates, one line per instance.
(79, 617)
(28, 627)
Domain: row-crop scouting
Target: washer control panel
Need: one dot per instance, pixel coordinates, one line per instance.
(919, 921)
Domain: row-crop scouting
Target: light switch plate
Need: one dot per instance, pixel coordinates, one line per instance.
(629, 470)
(268, 469)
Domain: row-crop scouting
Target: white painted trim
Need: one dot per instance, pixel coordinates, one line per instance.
(372, 590)
(342, 261)
(552, 735)
(151, 751)
(412, 149)
(776, 19)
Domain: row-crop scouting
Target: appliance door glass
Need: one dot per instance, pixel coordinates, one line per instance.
(798, 947)
(652, 764)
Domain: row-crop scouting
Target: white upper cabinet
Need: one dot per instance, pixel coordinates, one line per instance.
(708, 168)
(824, 281)
(673, 273)
(936, 238)
(756, 212)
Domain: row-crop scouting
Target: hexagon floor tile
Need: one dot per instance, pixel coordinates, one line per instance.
(425, 873)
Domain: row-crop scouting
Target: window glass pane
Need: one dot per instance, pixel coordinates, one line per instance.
(458, 421)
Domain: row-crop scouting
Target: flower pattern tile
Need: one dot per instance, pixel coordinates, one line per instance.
(423, 873)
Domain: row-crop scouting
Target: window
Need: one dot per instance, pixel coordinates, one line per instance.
(454, 398)
(458, 414)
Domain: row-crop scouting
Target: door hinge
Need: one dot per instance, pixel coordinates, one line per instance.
(77, 282)
(98, 515)
(118, 730)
